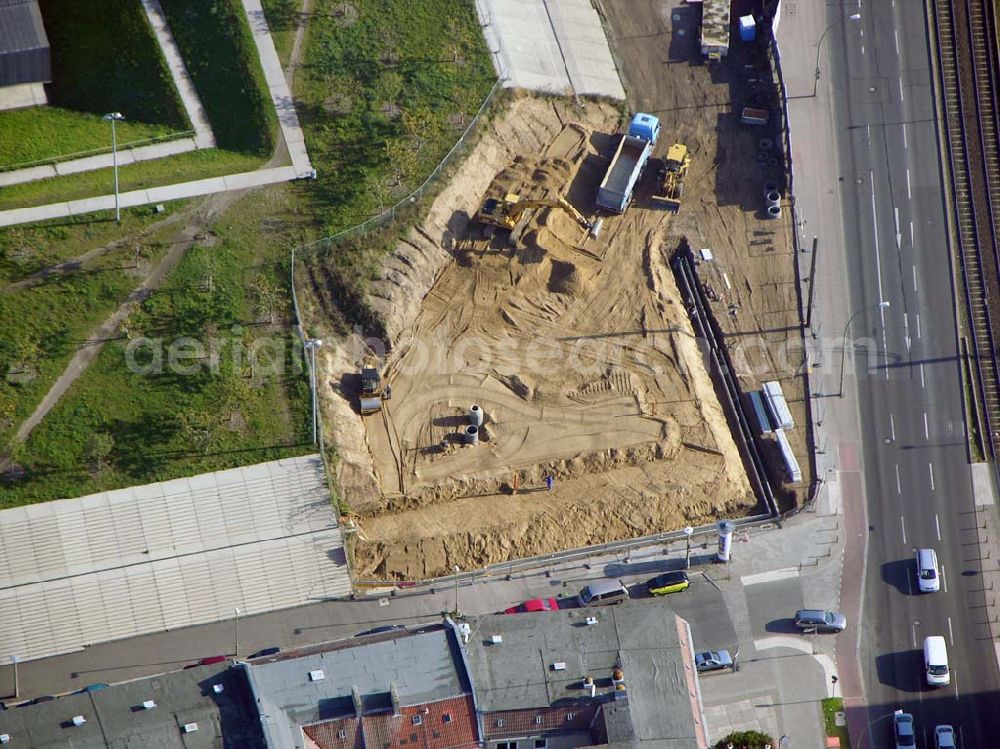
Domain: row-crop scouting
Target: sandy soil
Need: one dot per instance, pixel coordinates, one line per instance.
(578, 350)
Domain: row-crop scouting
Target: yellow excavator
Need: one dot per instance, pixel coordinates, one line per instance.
(512, 213)
(672, 178)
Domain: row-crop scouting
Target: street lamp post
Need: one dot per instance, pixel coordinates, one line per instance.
(236, 649)
(819, 44)
(311, 345)
(456, 570)
(843, 351)
(17, 688)
(114, 117)
(688, 531)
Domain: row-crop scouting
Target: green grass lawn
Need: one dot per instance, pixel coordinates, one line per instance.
(171, 421)
(281, 17)
(831, 706)
(184, 167)
(104, 58)
(218, 48)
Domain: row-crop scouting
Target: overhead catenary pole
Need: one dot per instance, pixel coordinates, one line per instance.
(819, 44)
(843, 350)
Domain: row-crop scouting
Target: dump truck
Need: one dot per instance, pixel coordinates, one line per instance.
(511, 213)
(615, 191)
(371, 391)
(671, 178)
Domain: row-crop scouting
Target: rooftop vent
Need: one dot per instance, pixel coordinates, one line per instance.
(499, 722)
(4, 738)
(496, 639)
(446, 717)
(591, 620)
(79, 720)
(148, 705)
(559, 666)
(569, 717)
(317, 675)
(341, 734)
(538, 720)
(189, 727)
(416, 720)
(218, 688)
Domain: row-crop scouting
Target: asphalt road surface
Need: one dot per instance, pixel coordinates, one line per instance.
(910, 388)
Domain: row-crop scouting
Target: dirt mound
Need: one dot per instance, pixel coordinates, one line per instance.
(566, 278)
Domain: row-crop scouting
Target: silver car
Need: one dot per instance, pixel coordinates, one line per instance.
(820, 620)
(712, 660)
(944, 737)
(902, 724)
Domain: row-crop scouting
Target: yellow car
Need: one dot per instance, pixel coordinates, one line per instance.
(668, 582)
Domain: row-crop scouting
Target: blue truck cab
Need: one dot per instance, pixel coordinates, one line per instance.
(645, 126)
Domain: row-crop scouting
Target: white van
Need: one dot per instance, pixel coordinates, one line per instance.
(928, 579)
(936, 661)
(603, 593)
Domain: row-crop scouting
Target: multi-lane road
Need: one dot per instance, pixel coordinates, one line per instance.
(910, 390)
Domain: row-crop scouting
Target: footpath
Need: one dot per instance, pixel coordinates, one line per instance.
(291, 134)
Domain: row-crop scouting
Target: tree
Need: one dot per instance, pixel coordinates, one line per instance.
(97, 448)
(746, 740)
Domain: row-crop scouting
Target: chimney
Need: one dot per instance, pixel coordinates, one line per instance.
(394, 696)
(359, 706)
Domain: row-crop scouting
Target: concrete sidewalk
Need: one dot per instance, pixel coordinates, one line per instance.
(291, 132)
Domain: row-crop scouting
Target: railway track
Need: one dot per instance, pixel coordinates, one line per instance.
(965, 38)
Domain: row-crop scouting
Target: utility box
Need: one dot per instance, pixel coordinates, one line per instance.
(748, 29)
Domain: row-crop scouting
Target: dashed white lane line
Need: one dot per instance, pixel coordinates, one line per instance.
(901, 89)
(944, 579)
(909, 195)
(914, 267)
(913, 634)
(911, 245)
(770, 576)
(918, 324)
(904, 142)
(937, 526)
(927, 435)
(922, 375)
(902, 525)
(895, 38)
(951, 635)
(899, 486)
(930, 468)
(892, 428)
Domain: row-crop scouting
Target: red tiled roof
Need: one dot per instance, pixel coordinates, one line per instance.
(525, 723)
(388, 731)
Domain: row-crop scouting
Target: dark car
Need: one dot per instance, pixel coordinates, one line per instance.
(266, 652)
(381, 630)
(668, 582)
(713, 660)
(534, 604)
(39, 700)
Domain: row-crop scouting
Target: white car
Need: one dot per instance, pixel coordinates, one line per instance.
(944, 737)
(902, 724)
(928, 577)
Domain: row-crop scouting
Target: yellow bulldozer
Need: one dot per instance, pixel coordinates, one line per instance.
(671, 178)
(512, 214)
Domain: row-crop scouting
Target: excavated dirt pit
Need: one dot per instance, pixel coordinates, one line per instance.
(578, 351)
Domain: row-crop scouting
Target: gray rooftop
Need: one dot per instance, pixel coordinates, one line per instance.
(167, 555)
(24, 46)
(116, 719)
(421, 666)
(641, 637)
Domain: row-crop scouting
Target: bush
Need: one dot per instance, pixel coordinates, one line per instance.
(747, 740)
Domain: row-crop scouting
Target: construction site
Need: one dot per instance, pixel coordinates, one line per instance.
(541, 386)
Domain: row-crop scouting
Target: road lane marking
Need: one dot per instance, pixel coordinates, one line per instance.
(899, 486)
(911, 245)
(922, 375)
(918, 325)
(902, 524)
(770, 577)
(904, 143)
(914, 267)
(930, 467)
(937, 526)
(913, 633)
(862, 46)
(909, 195)
(892, 428)
(901, 89)
(944, 579)
(954, 680)
(906, 328)
(895, 37)
(878, 270)
(951, 635)
(927, 435)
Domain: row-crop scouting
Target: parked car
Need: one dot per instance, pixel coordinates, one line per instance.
(928, 579)
(381, 630)
(712, 660)
(39, 700)
(212, 659)
(265, 652)
(902, 725)
(668, 582)
(603, 593)
(534, 604)
(944, 737)
(820, 620)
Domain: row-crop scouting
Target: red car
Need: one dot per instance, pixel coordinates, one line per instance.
(535, 604)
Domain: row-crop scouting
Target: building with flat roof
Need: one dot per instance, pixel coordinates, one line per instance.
(620, 675)
(207, 706)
